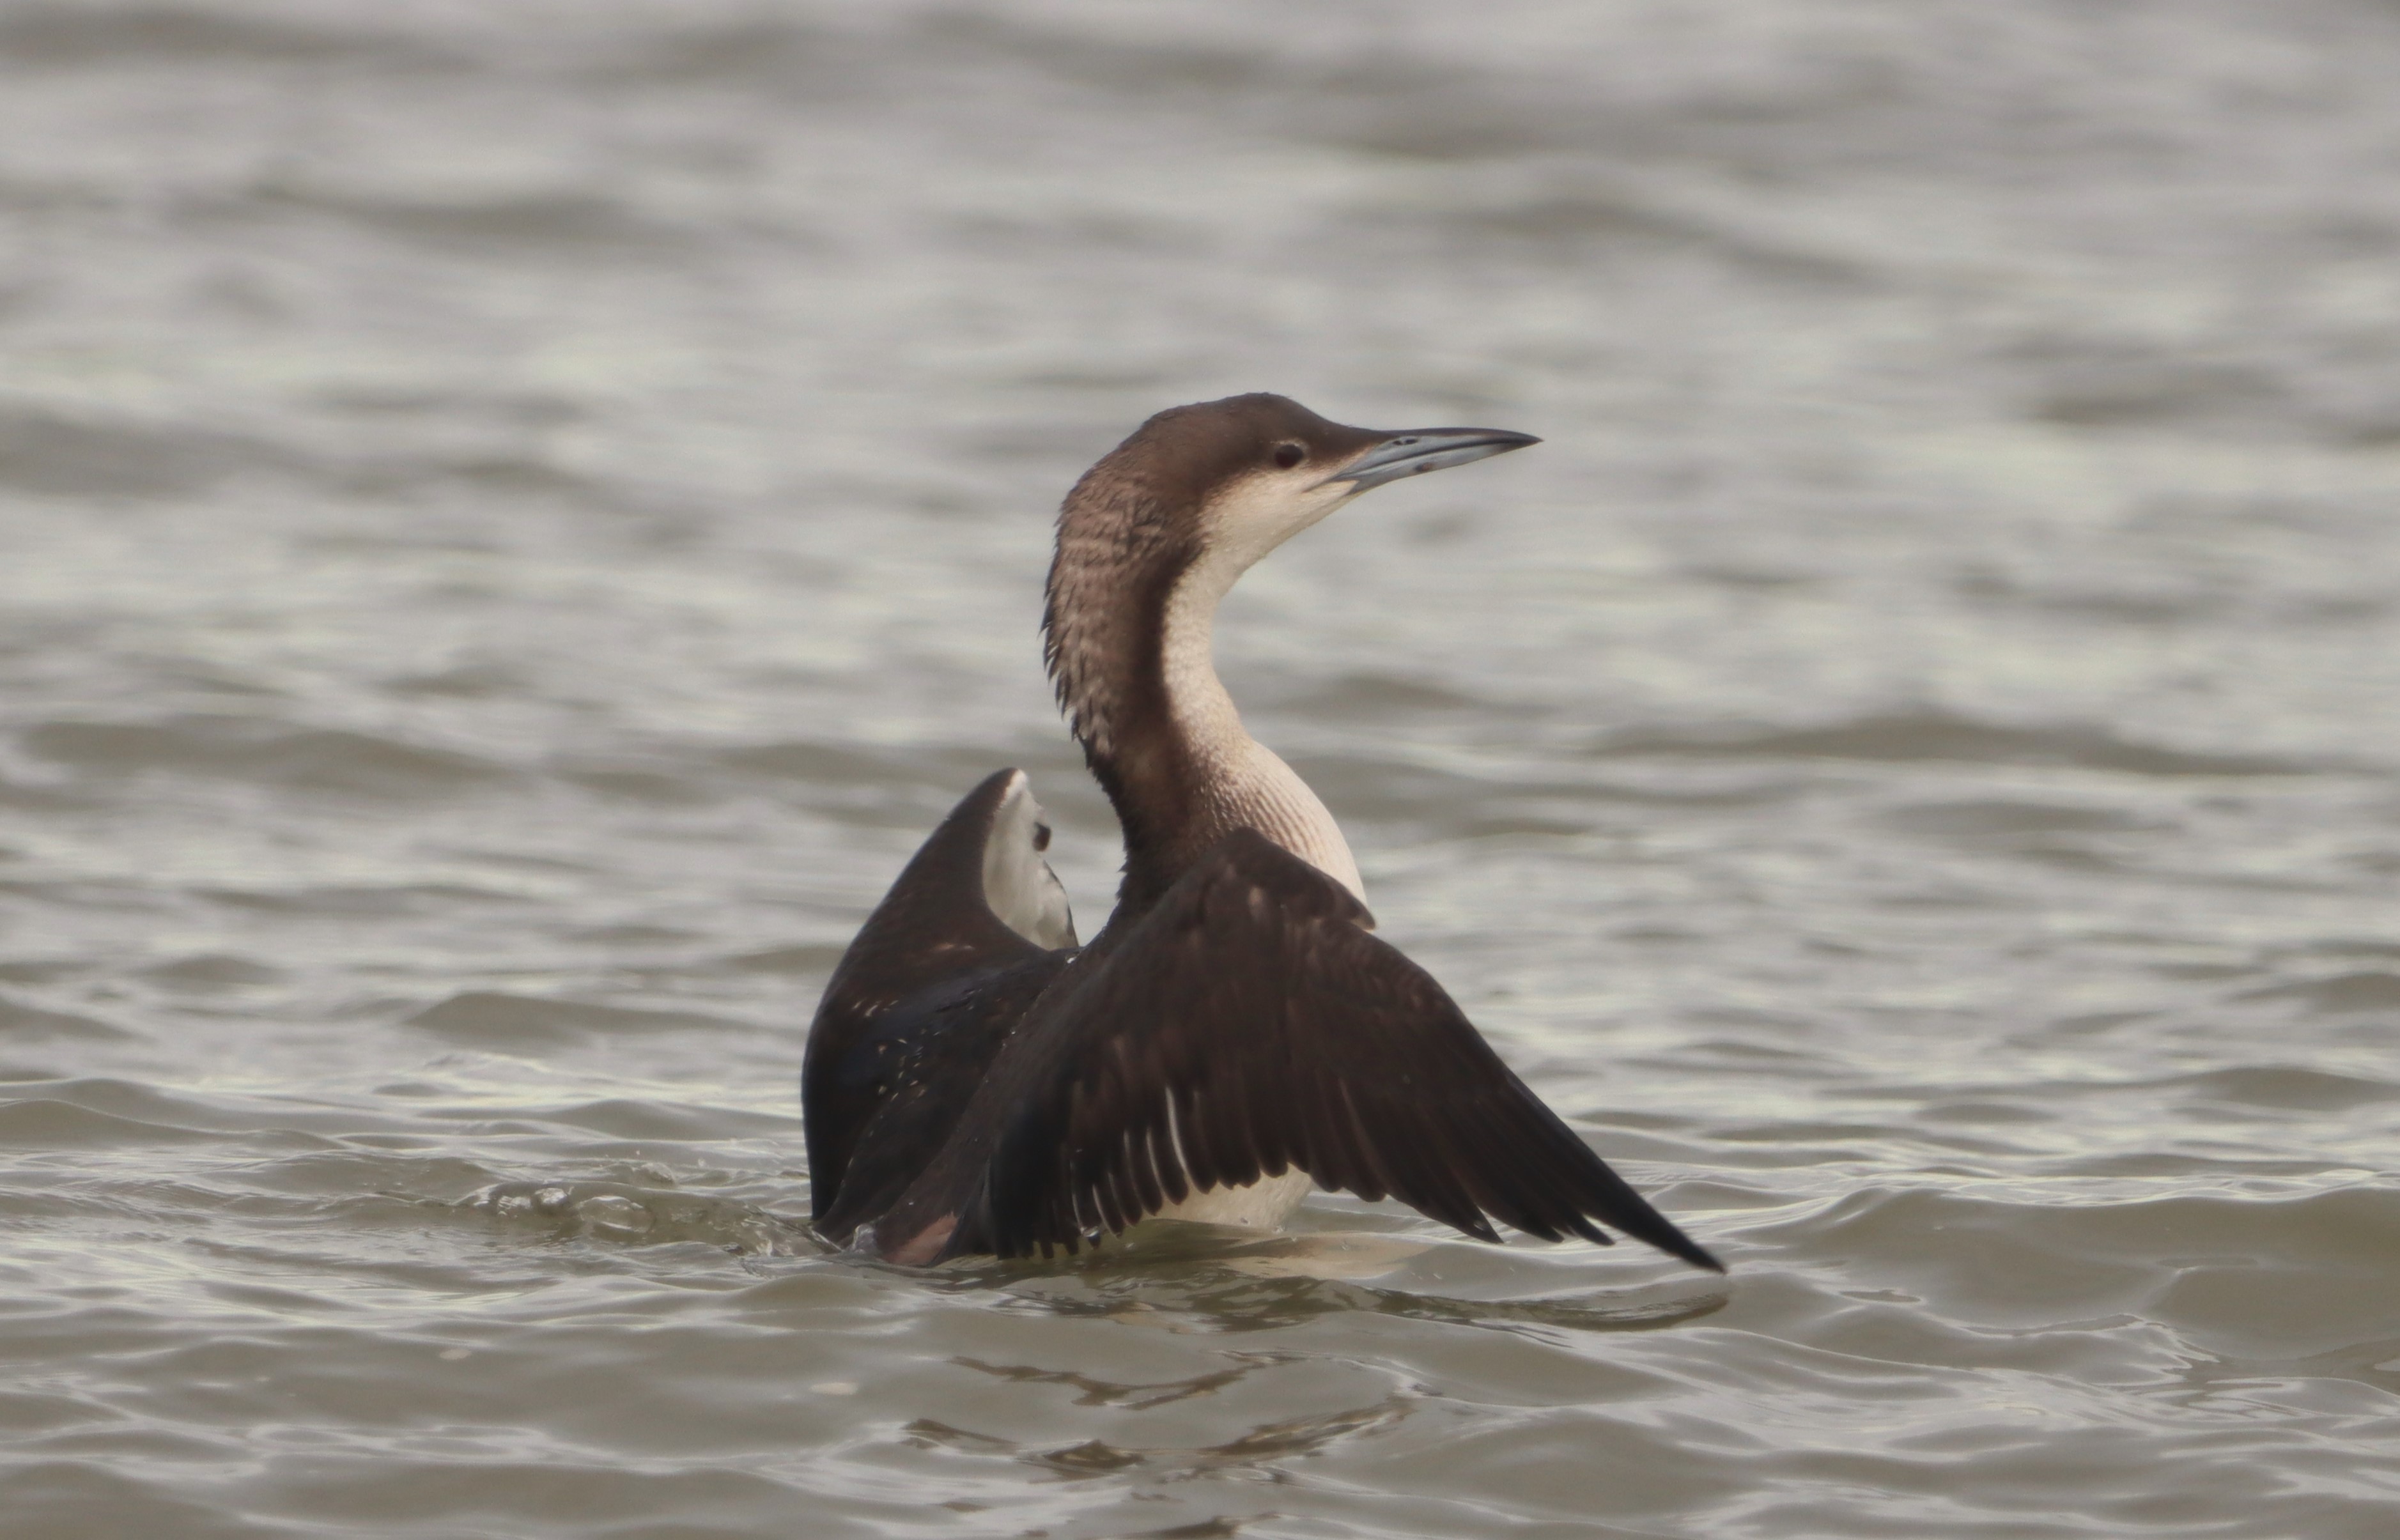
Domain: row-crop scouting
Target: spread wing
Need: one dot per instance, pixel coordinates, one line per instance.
(894, 1033)
(906, 1084)
(1249, 1023)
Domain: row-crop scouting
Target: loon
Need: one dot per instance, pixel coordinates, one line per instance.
(978, 1082)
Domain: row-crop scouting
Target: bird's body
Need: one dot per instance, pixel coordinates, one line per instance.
(975, 1081)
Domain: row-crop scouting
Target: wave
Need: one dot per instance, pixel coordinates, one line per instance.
(546, 222)
(1934, 736)
(88, 35)
(56, 456)
(490, 1019)
(2264, 1275)
(625, 1213)
(20, 1022)
(263, 751)
(2366, 991)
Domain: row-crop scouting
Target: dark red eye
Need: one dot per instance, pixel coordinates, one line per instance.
(1290, 455)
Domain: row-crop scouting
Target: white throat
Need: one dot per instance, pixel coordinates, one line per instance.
(1244, 785)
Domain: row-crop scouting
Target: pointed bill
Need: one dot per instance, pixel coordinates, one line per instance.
(1426, 449)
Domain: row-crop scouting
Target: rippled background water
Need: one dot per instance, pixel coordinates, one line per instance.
(513, 519)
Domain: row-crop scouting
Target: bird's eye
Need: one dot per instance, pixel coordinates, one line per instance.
(1041, 837)
(1288, 455)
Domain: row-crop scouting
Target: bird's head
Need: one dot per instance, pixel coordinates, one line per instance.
(1208, 489)
(1152, 536)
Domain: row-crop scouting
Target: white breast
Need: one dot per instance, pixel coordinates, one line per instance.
(1268, 796)
(1244, 784)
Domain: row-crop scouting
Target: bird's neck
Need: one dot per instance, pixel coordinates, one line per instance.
(1162, 736)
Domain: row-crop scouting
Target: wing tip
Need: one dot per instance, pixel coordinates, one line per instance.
(1676, 1244)
(1663, 1235)
(1647, 1225)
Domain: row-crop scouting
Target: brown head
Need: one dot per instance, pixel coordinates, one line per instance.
(1162, 526)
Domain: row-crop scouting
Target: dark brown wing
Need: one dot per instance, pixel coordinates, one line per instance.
(1249, 1023)
(906, 1084)
(888, 1027)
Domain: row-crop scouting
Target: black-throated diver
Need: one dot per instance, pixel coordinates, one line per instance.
(978, 1084)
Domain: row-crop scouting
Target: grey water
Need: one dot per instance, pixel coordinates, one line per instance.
(514, 518)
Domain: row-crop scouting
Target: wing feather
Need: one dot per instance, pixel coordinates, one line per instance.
(1248, 1024)
(892, 1053)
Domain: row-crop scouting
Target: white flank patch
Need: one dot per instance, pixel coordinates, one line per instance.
(1261, 1206)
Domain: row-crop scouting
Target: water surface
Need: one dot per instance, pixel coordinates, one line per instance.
(513, 519)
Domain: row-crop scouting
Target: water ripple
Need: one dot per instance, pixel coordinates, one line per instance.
(514, 519)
